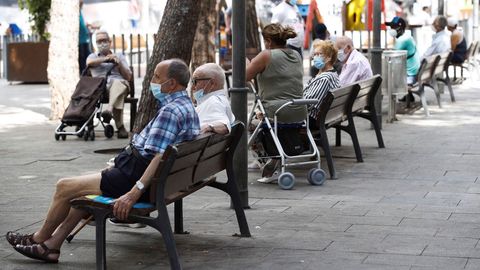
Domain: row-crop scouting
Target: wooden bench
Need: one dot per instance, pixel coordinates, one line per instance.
(186, 168)
(440, 73)
(364, 106)
(425, 79)
(472, 52)
(335, 109)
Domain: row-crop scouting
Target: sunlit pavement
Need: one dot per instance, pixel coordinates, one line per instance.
(413, 205)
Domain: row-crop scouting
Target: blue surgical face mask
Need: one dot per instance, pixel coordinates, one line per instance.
(318, 62)
(156, 89)
(198, 95)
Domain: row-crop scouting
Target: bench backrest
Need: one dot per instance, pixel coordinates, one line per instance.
(366, 94)
(335, 105)
(442, 62)
(188, 163)
(427, 67)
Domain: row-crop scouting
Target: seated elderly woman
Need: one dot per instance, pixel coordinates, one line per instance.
(326, 80)
(279, 73)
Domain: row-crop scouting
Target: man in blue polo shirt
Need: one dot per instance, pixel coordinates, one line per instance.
(129, 179)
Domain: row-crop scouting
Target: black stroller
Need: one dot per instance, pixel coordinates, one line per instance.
(85, 105)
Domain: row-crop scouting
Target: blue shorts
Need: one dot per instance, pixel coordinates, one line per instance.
(121, 178)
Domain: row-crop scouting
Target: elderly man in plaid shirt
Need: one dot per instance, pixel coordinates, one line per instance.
(129, 179)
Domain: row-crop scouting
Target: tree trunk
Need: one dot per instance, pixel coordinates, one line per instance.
(252, 35)
(174, 39)
(62, 54)
(204, 42)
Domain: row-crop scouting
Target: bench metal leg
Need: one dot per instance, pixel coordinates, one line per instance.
(133, 114)
(100, 218)
(162, 224)
(328, 155)
(449, 85)
(423, 98)
(338, 137)
(350, 129)
(231, 189)
(436, 90)
(178, 205)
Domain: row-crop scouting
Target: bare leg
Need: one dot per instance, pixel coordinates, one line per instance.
(61, 233)
(67, 189)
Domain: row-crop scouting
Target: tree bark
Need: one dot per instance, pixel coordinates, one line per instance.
(204, 42)
(174, 39)
(62, 54)
(252, 35)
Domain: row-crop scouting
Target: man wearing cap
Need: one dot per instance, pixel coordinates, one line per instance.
(441, 39)
(404, 41)
(457, 41)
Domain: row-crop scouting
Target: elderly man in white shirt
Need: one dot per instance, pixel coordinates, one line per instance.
(213, 107)
(355, 66)
(441, 38)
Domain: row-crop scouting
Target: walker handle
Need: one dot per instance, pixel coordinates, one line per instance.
(304, 101)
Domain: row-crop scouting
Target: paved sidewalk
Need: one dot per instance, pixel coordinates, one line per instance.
(413, 205)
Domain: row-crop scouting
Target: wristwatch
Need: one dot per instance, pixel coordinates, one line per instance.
(139, 185)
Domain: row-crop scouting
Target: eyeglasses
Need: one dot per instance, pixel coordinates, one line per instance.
(102, 40)
(195, 80)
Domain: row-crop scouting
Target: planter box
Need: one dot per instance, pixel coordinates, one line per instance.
(27, 61)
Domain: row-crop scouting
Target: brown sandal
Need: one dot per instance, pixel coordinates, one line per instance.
(20, 239)
(33, 252)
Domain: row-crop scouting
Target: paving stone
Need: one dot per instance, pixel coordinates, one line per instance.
(423, 261)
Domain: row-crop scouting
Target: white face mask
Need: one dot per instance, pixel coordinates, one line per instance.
(393, 33)
(341, 55)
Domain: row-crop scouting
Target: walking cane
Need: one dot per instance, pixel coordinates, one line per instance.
(72, 235)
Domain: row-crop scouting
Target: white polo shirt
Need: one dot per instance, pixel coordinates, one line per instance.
(215, 107)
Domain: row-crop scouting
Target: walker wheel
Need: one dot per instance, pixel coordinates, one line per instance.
(57, 137)
(286, 180)
(316, 177)
(109, 131)
(64, 137)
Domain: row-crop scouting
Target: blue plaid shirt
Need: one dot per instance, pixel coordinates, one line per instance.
(176, 121)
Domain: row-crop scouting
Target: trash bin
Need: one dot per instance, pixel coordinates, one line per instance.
(394, 74)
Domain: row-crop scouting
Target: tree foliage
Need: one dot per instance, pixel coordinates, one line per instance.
(39, 11)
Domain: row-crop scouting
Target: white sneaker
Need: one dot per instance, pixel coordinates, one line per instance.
(269, 180)
(121, 223)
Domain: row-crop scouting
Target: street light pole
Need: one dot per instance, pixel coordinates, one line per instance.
(376, 53)
(239, 96)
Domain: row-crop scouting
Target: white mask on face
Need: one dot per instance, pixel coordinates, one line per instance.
(341, 55)
(393, 33)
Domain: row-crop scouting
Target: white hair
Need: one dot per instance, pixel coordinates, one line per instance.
(215, 71)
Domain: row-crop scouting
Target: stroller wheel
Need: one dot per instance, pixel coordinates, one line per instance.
(109, 131)
(80, 135)
(316, 177)
(286, 180)
(64, 137)
(86, 135)
(57, 137)
(92, 135)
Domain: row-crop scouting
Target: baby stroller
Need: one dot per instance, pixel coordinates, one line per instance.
(283, 141)
(84, 105)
